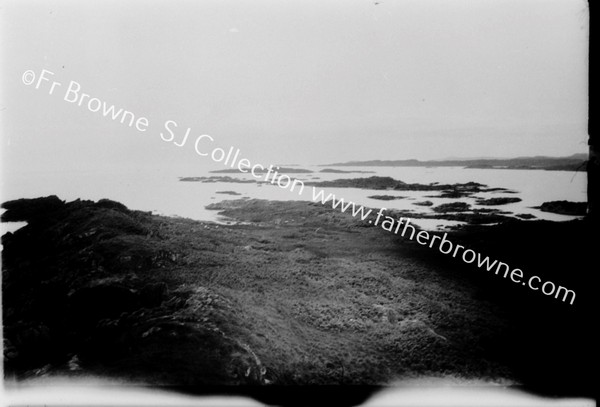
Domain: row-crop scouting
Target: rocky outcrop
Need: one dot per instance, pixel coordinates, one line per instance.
(498, 201)
(82, 292)
(565, 207)
(452, 207)
(386, 197)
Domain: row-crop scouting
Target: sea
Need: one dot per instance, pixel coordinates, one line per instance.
(163, 193)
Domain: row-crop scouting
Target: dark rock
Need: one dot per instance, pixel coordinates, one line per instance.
(30, 209)
(498, 201)
(452, 207)
(365, 183)
(565, 207)
(389, 183)
(386, 197)
(454, 194)
(334, 171)
(477, 217)
(423, 203)
(228, 193)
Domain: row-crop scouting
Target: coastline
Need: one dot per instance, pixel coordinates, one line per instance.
(296, 294)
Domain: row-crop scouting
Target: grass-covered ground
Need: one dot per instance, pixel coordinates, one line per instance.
(294, 294)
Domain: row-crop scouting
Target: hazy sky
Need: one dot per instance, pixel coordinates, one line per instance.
(295, 81)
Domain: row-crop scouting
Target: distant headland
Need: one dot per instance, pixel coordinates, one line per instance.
(575, 162)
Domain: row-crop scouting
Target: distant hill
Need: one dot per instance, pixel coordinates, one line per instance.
(574, 162)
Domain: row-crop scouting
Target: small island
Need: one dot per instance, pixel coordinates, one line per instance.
(423, 203)
(386, 197)
(497, 201)
(228, 193)
(564, 208)
(334, 171)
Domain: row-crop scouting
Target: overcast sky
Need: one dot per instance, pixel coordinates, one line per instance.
(295, 81)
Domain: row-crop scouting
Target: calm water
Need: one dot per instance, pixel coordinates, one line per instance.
(163, 193)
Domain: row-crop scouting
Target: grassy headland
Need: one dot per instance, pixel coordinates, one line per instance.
(295, 293)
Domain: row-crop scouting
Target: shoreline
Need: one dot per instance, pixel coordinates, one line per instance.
(296, 292)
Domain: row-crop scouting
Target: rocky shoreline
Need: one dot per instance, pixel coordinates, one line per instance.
(294, 294)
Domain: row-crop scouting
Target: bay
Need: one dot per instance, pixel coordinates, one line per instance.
(161, 192)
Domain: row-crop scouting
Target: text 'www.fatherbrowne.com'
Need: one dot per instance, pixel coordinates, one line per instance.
(402, 225)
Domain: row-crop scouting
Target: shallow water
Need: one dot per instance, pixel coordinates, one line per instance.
(162, 192)
(11, 227)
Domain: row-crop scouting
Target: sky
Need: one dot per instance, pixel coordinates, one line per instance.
(303, 81)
